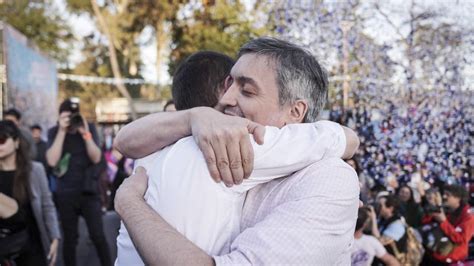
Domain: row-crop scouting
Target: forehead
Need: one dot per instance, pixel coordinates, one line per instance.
(259, 68)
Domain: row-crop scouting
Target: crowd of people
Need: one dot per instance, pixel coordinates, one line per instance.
(425, 136)
(414, 149)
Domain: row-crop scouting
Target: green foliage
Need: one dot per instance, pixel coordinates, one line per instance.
(41, 24)
(218, 26)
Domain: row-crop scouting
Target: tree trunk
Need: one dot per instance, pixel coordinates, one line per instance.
(161, 39)
(113, 59)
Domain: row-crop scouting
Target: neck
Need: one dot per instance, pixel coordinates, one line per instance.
(8, 163)
(358, 234)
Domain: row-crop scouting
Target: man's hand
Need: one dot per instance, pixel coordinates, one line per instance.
(84, 129)
(439, 216)
(372, 214)
(133, 187)
(64, 120)
(225, 143)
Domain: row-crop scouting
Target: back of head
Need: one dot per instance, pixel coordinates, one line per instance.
(362, 218)
(299, 74)
(199, 79)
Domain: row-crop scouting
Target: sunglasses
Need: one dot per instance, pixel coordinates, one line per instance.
(3, 138)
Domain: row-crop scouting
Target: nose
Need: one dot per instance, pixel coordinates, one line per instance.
(230, 96)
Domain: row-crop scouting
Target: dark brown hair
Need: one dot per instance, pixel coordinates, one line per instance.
(23, 161)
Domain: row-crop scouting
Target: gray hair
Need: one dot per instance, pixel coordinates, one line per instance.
(299, 75)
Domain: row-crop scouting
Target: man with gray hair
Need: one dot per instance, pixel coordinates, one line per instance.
(306, 218)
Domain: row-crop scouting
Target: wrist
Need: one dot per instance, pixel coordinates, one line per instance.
(126, 200)
(86, 136)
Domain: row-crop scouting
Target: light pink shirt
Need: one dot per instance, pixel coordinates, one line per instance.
(306, 219)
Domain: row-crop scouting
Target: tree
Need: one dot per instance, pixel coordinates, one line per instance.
(41, 24)
(436, 48)
(221, 25)
(334, 31)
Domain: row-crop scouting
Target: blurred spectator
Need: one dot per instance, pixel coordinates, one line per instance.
(41, 146)
(14, 115)
(457, 228)
(392, 228)
(169, 106)
(366, 247)
(29, 230)
(76, 157)
(118, 168)
(409, 209)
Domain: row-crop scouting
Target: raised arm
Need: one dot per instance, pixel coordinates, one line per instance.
(152, 133)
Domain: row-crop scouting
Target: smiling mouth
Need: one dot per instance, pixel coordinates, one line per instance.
(231, 113)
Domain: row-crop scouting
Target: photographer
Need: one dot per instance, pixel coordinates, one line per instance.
(456, 228)
(74, 153)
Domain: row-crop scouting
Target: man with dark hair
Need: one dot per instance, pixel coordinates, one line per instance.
(366, 247)
(457, 225)
(305, 218)
(198, 79)
(75, 155)
(14, 115)
(41, 145)
(392, 228)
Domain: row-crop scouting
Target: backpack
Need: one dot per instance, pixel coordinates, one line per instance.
(415, 251)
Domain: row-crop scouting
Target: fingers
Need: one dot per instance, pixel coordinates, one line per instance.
(140, 171)
(210, 158)
(222, 162)
(258, 132)
(235, 162)
(247, 155)
(53, 259)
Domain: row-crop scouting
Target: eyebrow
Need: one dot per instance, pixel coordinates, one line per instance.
(245, 80)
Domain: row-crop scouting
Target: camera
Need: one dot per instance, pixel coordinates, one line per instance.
(75, 119)
(432, 208)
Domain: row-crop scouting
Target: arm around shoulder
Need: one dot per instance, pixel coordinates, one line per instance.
(152, 133)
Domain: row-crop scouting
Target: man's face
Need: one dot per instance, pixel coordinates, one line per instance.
(451, 201)
(253, 92)
(36, 134)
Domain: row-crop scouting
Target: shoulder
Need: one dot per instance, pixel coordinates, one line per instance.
(328, 177)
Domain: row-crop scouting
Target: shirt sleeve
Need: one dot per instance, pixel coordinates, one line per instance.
(315, 227)
(291, 149)
(379, 249)
(395, 231)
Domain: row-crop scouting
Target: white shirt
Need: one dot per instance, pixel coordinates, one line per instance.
(365, 249)
(305, 219)
(181, 190)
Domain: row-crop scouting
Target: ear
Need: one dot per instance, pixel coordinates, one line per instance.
(298, 111)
